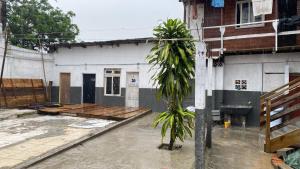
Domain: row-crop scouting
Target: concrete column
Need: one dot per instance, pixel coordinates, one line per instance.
(209, 102)
(200, 78)
(208, 110)
(200, 139)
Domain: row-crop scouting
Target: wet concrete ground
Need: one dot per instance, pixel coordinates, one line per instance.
(133, 146)
(22, 139)
(237, 148)
(15, 113)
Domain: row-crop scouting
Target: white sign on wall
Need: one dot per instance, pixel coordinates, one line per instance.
(133, 82)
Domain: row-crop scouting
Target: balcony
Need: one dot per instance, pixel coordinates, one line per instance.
(257, 37)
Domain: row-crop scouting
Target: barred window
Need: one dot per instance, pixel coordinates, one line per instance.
(112, 82)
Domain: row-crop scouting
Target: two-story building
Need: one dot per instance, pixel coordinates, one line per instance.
(252, 54)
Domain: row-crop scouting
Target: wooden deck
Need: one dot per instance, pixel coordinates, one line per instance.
(117, 113)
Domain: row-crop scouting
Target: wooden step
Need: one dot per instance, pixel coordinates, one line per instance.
(285, 140)
(283, 131)
(295, 121)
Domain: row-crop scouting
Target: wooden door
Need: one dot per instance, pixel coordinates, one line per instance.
(132, 89)
(65, 88)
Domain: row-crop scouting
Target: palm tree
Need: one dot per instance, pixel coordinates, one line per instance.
(173, 58)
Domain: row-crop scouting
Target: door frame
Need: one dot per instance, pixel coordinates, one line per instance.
(82, 85)
(126, 85)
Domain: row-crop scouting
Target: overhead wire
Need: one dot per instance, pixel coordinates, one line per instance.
(89, 30)
(146, 39)
(66, 37)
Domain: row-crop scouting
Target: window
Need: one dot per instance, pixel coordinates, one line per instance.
(240, 84)
(244, 14)
(112, 82)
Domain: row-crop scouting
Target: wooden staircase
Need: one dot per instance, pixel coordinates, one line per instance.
(285, 101)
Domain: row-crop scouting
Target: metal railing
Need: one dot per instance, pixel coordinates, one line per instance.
(222, 29)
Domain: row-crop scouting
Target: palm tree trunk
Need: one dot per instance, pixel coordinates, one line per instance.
(172, 139)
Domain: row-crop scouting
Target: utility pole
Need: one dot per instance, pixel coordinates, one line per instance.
(3, 17)
(7, 35)
(200, 78)
(43, 65)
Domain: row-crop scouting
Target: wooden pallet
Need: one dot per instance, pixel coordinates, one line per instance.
(117, 113)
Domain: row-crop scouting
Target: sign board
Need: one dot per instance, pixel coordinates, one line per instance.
(133, 82)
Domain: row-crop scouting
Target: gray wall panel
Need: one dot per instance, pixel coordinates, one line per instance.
(147, 98)
(243, 98)
(110, 100)
(76, 94)
(54, 94)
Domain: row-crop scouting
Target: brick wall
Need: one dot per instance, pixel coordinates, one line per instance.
(214, 17)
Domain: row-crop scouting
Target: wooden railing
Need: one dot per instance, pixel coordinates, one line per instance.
(287, 99)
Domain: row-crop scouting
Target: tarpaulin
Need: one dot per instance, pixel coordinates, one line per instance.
(262, 7)
(217, 3)
(293, 160)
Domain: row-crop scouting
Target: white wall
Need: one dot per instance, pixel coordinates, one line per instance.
(263, 72)
(94, 59)
(24, 63)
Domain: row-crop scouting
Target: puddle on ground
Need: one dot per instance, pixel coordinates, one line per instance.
(92, 123)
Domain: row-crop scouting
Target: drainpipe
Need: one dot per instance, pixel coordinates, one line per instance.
(262, 77)
(286, 73)
(275, 26)
(222, 31)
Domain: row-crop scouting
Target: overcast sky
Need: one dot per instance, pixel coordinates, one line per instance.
(119, 19)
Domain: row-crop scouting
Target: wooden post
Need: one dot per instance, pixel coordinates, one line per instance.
(268, 125)
(49, 91)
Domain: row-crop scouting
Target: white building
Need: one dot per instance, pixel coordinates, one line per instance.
(252, 55)
(106, 73)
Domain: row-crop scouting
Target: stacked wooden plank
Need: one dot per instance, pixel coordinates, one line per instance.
(22, 92)
(95, 111)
